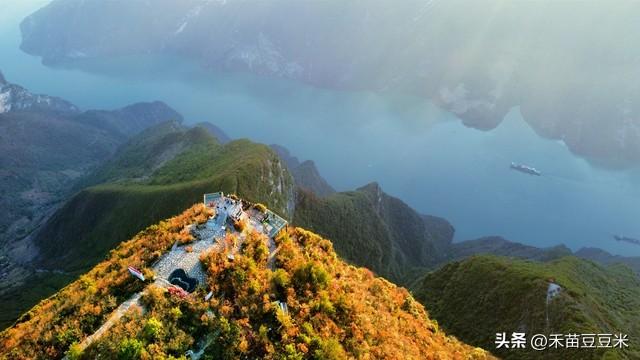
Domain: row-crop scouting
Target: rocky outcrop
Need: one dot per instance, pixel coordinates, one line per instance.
(15, 98)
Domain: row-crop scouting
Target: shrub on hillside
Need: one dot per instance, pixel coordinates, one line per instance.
(260, 207)
(240, 225)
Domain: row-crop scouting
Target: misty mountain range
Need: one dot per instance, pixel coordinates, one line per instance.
(61, 230)
(572, 81)
(47, 143)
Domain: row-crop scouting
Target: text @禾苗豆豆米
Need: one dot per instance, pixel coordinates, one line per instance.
(541, 342)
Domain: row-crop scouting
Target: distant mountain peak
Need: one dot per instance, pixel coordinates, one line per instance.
(305, 174)
(16, 98)
(224, 36)
(151, 108)
(374, 190)
(497, 245)
(376, 230)
(373, 186)
(132, 119)
(603, 257)
(285, 155)
(215, 131)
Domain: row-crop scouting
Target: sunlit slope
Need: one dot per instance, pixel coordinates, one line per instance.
(335, 310)
(483, 295)
(155, 176)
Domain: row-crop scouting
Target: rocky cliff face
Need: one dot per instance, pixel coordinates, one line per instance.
(570, 83)
(15, 98)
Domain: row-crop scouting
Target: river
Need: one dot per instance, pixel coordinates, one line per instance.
(416, 151)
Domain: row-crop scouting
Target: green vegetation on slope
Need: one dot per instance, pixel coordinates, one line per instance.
(46, 146)
(143, 153)
(44, 151)
(375, 230)
(476, 298)
(159, 173)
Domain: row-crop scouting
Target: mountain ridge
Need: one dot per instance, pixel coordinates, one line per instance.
(330, 312)
(305, 173)
(591, 299)
(47, 146)
(160, 190)
(373, 229)
(439, 63)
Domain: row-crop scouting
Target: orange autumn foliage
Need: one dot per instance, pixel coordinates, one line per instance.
(48, 329)
(303, 302)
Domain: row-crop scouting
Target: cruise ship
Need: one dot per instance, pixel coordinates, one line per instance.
(525, 169)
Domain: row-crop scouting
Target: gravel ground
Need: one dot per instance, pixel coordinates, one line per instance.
(206, 238)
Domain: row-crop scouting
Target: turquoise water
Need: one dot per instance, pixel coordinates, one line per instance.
(416, 151)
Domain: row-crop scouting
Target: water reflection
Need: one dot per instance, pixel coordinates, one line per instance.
(413, 149)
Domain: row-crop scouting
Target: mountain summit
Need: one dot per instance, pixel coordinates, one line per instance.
(225, 280)
(15, 98)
